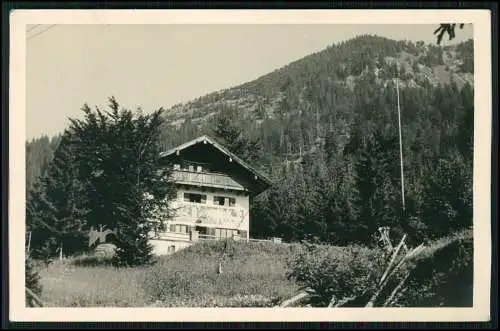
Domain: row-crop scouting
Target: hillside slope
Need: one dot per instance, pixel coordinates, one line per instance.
(292, 109)
(344, 64)
(309, 88)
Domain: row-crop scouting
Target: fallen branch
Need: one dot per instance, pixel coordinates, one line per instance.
(394, 256)
(396, 290)
(343, 302)
(293, 300)
(332, 302)
(388, 272)
(34, 297)
(415, 251)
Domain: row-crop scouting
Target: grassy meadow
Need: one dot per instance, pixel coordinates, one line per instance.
(254, 274)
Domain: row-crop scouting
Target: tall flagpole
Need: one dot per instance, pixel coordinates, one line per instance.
(400, 145)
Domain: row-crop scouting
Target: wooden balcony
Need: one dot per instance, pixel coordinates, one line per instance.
(206, 180)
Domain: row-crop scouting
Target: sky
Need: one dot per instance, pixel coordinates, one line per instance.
(153, 66)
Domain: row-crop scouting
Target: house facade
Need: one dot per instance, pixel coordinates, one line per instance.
(214, 192)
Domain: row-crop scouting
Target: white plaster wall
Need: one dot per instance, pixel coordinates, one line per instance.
(215, 216)
(160, 247)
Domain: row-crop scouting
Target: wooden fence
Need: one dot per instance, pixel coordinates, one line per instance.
(209, 237)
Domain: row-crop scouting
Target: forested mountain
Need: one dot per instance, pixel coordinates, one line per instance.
(39, 153)
(326, 127)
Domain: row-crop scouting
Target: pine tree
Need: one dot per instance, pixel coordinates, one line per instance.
(448, 195)
(128, 185)
(232, 137)
(56, 207)
(378, 181)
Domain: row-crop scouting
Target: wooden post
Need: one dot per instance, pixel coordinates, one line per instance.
(400, 145)
(29, 241)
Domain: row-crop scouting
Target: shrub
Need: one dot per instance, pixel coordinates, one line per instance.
(32, 281)
(440, 275)
(443, 274)
(342, 273)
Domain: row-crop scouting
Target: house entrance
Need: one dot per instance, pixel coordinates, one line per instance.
(201, 230)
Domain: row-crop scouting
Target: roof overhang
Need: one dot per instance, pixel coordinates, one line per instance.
(261, 181)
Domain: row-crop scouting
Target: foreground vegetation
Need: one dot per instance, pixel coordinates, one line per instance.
(439, 273)
(260, 275)
(254, 274)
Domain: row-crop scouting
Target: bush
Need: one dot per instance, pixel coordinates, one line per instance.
(443, 274)
(342, 273)
(440, 275)
(32, 282)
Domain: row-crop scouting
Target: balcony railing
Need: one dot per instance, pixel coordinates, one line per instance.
(186, 237)
(205, 179)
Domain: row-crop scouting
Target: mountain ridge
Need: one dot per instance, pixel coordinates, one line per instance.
(420, 64)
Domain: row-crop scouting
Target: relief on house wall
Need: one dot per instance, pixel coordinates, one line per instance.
(223, 217)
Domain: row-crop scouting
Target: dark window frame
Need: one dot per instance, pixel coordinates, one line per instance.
(195, 197)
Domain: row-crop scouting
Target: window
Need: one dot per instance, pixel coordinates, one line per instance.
(219, 201)
(171, 249)
(179, 228)
(225, 233)
(198, 169)
(177, 167)
(191, 168)
(194, 197)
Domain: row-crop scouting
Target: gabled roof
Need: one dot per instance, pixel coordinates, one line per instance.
(206, 139)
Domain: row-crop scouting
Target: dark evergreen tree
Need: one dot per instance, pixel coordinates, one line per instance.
(128, 185)
(379, 182)
(233, 137)
(57, 208)
(448, 196)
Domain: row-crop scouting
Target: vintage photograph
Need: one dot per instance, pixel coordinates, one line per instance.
(250, 165)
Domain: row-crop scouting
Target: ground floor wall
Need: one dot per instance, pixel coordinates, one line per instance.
(165, 247)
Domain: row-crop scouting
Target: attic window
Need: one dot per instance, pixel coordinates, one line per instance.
(191, 168)
(177, 167)
(198, 169)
